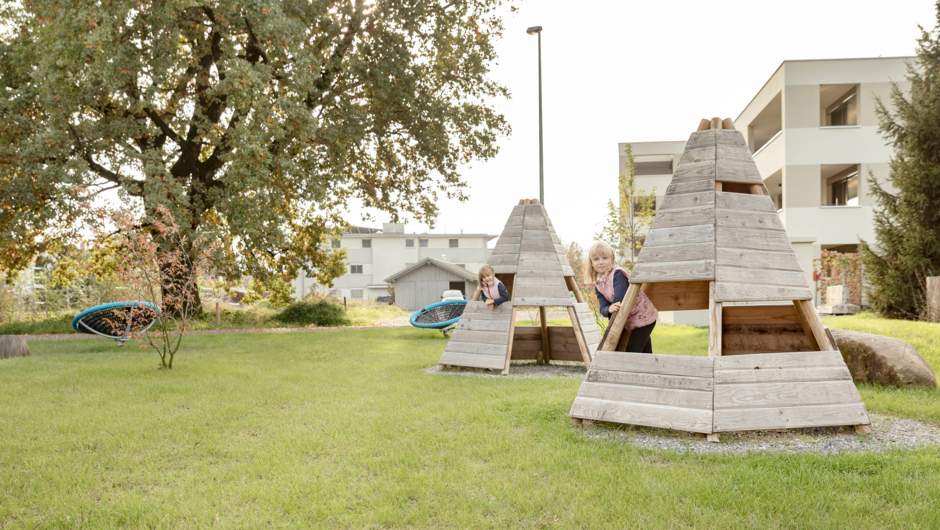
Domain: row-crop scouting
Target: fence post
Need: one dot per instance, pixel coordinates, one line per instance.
(933, 298)
(218, 315)
(344, 305)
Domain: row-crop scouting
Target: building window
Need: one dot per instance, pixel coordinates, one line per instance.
(356, 293)
(335, 243)
(453, 243)
(409, 243)
(459, 286)
(355, 269)
(423, 243)
(842, 183)
(366, 243)
(839, 105)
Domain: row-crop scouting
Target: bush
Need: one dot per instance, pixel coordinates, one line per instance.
(322, 313)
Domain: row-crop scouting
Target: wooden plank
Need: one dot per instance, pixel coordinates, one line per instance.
(716, 123)
(690, 186)
(693, 399)
(740, 292)
(687, 217)
(579, 336)
(524, 256)
(741, 202)
(734, 152)
(476, 349)
(727, 124)
(759, 314)
(616, 326)
(698, 154)
(745, 339)
(481, 337)
(654, 364)
(491, 362)
(753, 239)
(698, 140)
(734, 171)
(681, 201)
(694, 252)
(730, 138)
(815, 325)
(646, 379)
(546, 347)
(502, 259)
(766, 361)
(758, 189)
(680, 236)
(674, 271)
(782, 375)
(554, 281)
(529, 273)
(509, 346)
(694, 420)
(538, 246)
(755, 259)
(760, 277)
(736, 219)
(789, 394)
(573, 287)
(714, 323)
(804, 323)
(678, 296)
(704, 125)
(790, 417)
(548, 302)
(541, 291)
(530, 265)
(483, 325)
(694, 171)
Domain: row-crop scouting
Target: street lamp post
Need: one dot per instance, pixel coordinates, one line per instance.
(537, 30)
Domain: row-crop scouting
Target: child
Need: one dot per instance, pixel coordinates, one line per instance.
(610, 285)
(492, 291)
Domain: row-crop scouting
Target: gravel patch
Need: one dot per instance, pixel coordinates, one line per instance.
(888, 433)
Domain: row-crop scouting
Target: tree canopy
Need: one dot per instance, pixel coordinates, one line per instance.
(260, 122)
(907, 221)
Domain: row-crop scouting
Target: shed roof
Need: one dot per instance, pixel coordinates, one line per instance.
(449, 267)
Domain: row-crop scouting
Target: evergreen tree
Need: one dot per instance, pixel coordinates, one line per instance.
(907, 219)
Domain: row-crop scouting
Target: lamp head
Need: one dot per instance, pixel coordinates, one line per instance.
(533, 30)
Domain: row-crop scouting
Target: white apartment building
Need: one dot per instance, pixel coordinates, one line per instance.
(813, 132)
(374, 254)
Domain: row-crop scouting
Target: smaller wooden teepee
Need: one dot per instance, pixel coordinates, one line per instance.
(717, 240)
(531, 263)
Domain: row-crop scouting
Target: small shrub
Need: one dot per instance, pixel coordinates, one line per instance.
(322, 313)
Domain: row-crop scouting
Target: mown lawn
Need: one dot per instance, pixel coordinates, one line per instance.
(347, 429)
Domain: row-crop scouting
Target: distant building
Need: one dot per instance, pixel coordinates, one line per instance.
(813, 133)
(374, 254)
(422, 283)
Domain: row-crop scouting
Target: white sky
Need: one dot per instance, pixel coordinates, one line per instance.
(628, 71)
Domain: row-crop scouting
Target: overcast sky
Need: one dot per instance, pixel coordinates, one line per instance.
(626, 71)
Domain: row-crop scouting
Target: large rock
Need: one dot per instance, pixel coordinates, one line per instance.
(13, 346)
(883, 360)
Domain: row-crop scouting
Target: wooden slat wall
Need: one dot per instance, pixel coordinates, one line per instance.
(592, 334)
(665, 391)
(785, 390)
(481, 337)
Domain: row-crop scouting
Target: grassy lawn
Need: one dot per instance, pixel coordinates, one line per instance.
(346, 429)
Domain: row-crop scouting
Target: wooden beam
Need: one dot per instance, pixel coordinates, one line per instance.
(535, 201)
(616, 327)
(718, 185)
(714, 323)
(756, 189)
(512, 332)
(573, 287)
(727, 124)
(716, 123)
(804, 320)
(546, 350)
(579, 335)
(476, 294)
(703, 125)
(815, 324)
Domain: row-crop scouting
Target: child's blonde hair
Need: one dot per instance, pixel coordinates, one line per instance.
(600, 248)
(485, 269)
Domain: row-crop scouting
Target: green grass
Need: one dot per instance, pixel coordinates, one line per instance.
(346, 429)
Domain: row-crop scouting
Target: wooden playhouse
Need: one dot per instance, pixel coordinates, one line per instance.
(717, 243)
(531, 263)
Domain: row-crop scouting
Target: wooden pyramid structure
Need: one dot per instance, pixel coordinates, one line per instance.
(716, 240)
(531, 263)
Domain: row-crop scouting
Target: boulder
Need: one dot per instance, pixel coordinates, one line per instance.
(13, 346)
(883, 360)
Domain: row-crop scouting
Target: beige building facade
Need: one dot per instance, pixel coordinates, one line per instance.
(813, 132)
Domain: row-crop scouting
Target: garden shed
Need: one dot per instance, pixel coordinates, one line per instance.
(421, 284)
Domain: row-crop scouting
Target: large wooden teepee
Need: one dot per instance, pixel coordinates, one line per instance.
(531, 263)
(717, 239)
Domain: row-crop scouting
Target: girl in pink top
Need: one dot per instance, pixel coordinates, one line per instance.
(610, 285)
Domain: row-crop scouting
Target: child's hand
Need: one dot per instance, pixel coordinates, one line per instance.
(613, 308)
(490, 304)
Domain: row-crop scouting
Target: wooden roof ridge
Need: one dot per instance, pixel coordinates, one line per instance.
(717, 222)
(529, 237)
(450, 267)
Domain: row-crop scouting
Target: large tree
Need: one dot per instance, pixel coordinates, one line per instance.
(907, 218)
(260, 122)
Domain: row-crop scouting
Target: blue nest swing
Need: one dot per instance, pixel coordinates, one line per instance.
(116, 320)
(442, 316)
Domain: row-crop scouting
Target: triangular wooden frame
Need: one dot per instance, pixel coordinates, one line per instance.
(531, 263)
(717, 239)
